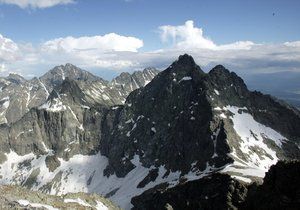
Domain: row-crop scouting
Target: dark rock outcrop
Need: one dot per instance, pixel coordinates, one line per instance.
(280, 189)
(215, 192)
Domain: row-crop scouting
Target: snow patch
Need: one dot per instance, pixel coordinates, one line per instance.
(105, 97)
(217, 92)
(217, 108)
(36, 205)
(253, 136)
(100, 206)
(245, 125)
(53, 106)
(77, 200)
(244, 179)
(153, 129)
(185, 79)
(223, 116)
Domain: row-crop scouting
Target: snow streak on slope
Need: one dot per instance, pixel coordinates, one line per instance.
(258, 156)
(4, 104)
(36, 205)
(53, 106)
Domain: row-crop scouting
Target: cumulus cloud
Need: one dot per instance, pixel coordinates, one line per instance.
(36, 3)
(108, 42)
(187, 37)
(9, 50)
(122, 53)
(87, 52)
(97, 51)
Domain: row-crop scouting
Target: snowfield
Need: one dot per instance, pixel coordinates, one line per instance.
(253, 135)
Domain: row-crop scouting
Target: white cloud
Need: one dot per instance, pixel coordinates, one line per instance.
(88, 51)
(36, 3)
(122, 53)
(108, 42)
(187, 37)
(9, 50)
(97, 51)
(293, 44)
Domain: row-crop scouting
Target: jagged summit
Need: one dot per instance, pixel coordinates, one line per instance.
(185, 64)
(55, 76)
(219, 69)
(15, 78)
(185, 60)
(149, 69)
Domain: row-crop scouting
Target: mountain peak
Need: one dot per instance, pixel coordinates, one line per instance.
(70, 65)
(219, 70)
(55, 76)
(149, 69)
(15, 78)
(185, 64)
(186, 60)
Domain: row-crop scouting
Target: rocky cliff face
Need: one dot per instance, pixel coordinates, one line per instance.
(182, 126)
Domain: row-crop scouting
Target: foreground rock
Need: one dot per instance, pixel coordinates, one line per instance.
(14, 197)
(218, 191)
(280, 190)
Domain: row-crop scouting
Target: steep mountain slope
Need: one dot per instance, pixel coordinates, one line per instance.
(18, 95)
(126, 83)
(182, 126)
(116, 91)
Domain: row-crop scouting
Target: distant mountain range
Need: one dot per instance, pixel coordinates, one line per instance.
(146, 136)
(18, 95)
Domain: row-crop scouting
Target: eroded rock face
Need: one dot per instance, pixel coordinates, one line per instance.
(182, 126)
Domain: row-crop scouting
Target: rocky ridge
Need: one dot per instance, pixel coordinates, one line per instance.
(18, 95)
(184, 125)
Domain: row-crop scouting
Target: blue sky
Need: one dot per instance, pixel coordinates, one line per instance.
(224, 21)
(30, 26)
